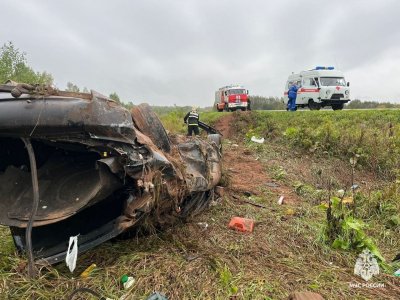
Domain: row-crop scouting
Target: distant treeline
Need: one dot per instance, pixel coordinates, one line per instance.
(358, 104)
(264, 103)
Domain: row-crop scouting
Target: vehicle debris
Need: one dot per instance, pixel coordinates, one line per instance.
(254, 203)
(191, 257)
(157, 296)
(203, 225)
(247, 193)
(101, 169)
(241, 224)
(257, 140)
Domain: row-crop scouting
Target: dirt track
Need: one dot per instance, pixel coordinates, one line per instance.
(247, 172)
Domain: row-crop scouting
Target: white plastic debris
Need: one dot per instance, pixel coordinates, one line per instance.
(280, 200)
(129, 283)
(397, 273)
(340, 193)
(72, 253)
(256, 140)
(204, 225)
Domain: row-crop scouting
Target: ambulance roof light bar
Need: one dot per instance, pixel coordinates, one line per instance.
(324, 68)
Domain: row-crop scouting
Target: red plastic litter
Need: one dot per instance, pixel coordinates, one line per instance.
(241, 224)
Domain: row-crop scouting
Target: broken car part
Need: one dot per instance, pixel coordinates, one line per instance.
(101, 169)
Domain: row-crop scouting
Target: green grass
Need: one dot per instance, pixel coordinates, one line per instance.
(285, 253)
(374, 136)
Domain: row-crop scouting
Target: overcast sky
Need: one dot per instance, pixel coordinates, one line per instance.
(181, 51)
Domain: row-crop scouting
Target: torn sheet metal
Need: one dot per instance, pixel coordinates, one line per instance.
(102, 170)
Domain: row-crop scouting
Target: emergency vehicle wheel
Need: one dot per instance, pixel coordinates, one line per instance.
(313, 106)
(149, 124)
(337, 107)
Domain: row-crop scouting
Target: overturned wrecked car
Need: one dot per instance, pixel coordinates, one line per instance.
(81, 164)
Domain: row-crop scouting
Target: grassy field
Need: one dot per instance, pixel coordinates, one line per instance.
(308, 155)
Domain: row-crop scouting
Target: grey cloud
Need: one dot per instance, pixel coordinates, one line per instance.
(180, 52)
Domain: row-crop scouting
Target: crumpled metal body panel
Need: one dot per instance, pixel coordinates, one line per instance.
(99, 175)
(52, 116)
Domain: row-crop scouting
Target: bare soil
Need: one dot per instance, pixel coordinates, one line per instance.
(248, 174)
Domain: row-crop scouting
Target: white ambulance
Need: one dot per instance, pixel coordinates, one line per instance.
(319, 87)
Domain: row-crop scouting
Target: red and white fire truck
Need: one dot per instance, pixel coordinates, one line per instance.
(231, 98)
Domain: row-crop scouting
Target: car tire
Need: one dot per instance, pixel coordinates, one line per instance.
(337, 107)
(314, 106)
(217, 139)
(149, 124)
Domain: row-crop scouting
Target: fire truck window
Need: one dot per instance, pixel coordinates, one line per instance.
(236, 92)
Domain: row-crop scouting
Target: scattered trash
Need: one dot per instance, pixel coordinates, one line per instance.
(340, 193)
(88, 271)
(397, 273)
(347, 200)
(280, 200)
(355, 186)
(127, 281)
(157, 296)
(256, 140)
(235, 145)
(241, 224)
(272, 184)
(204, 225)
(72, 253)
